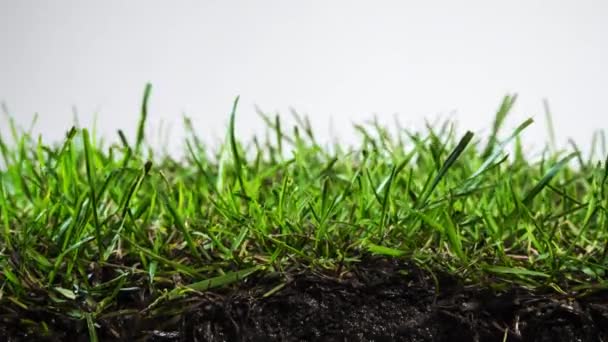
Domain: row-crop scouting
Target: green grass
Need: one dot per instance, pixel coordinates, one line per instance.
(82, 222)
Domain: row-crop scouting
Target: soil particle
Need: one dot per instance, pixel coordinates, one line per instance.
(381, 300)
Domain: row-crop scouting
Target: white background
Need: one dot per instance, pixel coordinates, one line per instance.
(337, 61)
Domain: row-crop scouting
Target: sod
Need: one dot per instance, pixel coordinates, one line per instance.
(413, 236)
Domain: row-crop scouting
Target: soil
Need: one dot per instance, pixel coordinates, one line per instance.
(379, 300)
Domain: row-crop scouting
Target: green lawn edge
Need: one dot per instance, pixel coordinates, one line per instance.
(82, 221)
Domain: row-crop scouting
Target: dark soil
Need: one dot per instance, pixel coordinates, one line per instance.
(380, 300)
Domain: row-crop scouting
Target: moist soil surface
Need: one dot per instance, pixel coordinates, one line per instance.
(378, 300)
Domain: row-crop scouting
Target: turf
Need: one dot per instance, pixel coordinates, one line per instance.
(83, 222)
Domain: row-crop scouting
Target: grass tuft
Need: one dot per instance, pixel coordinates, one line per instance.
(82, 224)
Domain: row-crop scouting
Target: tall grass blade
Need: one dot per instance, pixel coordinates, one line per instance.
(142, 120)
(498, 150)
(234, 147)
(505, 107)
(92, 187)
(546, 179)
(550, 127)
(466, 139)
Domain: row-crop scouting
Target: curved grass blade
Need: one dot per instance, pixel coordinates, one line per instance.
(176, 265)
(505, 107)
(61, 256)
(547, 178)
(466, 139)
(233, 146)
(487, 164)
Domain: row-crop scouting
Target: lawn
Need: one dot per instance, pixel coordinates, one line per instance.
(95, 236)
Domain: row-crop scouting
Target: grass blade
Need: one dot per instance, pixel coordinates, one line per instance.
(234, 147)
(519, 271)
(179, 223)
(223, 280)
(91, 180)
(550, 127)
(383, 250)
(466, 139)
(142, 119)
(505, 107)
(546, 179)
(489, 160)
(91, 327)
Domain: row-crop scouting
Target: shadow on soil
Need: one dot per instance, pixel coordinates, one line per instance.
(380, 300)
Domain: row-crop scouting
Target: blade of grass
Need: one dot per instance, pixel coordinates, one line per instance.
(550, 127)
(223, 280)
(91, 180)
(505, 107)
(454, 237)
(546, 179)
(489, 160)
(519, 271)
(383, 250)
(466, 139)
(234, 147)
(125, 208)
(142, 119)
(61, 256)
(179, 223)
(91, 327)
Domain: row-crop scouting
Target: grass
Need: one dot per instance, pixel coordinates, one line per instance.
(82, 222)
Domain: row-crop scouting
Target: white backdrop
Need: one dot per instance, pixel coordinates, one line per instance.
(338, 61)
